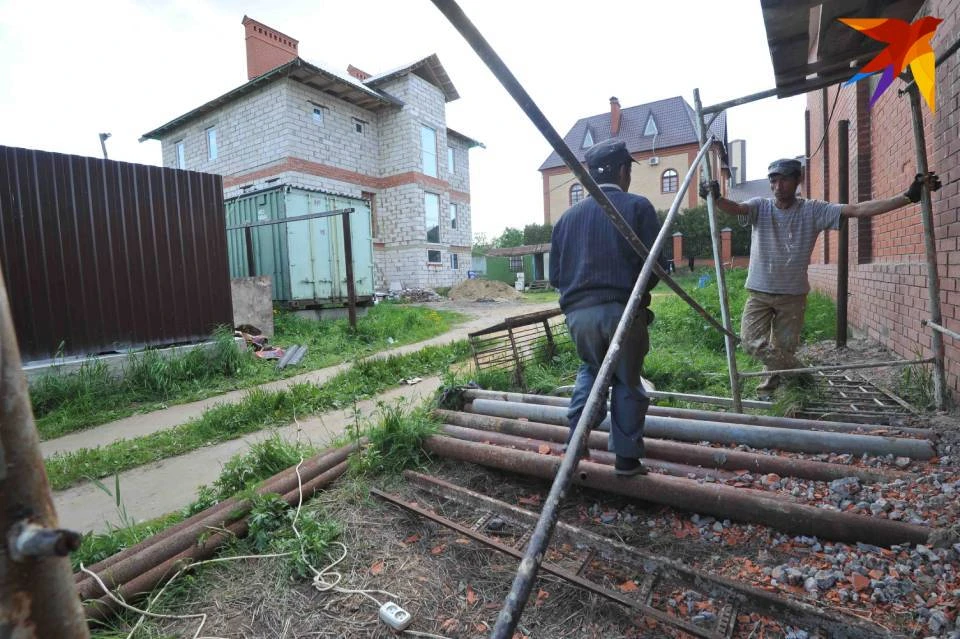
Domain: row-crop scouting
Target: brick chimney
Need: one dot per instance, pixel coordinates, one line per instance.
(614, 116)
(359, 74)
(267, 48)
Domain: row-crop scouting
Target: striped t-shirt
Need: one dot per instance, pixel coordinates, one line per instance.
(781, 243)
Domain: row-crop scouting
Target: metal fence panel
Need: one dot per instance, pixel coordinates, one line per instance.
(103, 256)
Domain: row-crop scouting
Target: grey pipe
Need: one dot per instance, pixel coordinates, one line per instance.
(798, 441)
(729, 418)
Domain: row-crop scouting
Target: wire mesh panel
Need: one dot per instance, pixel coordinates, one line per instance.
(517, 342)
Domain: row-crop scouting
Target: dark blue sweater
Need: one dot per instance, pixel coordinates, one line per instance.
(590, 262)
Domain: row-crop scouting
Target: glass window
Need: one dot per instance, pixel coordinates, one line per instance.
(516, 263)
(576, 194)
(669, 181)
(181, 155)
(428, 150)
(453, 215)
(450, 164)
(587, 140)
(358, 125)
(433, 256)
(454, 261)
(212, 143)
(431, 205)
(651, 128)
(318, 115)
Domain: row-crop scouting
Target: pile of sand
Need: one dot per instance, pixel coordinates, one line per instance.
(482, 291)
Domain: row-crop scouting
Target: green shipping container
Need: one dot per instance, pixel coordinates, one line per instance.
(305, 257)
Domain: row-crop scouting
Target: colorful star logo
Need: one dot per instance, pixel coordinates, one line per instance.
(908, 44)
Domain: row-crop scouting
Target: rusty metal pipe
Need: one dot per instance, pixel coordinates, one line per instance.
(149, 553)
(799, 441)
(688, 454)
(716, 416)
(38, 595)
(717, 500)
(150, 576)
(596, 454)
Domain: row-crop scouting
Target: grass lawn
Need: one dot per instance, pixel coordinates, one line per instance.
(64, 403)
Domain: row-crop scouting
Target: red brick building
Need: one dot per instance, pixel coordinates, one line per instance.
(888, 290)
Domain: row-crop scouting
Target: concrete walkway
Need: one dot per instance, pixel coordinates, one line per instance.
(147, 423)
(165, 486)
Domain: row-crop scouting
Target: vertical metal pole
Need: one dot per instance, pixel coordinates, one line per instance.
(929, 241)
(731, 346)
(348, 258)
(38, 595)
(843, 242)
(248, 240)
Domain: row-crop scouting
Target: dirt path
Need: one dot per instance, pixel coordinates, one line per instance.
(165, 486)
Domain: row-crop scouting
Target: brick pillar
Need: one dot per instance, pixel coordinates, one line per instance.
(726, 245)
(677, 249)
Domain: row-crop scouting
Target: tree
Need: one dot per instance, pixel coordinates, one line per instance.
(509, 237)
(695, 226)
(480, 244)
(537, 233)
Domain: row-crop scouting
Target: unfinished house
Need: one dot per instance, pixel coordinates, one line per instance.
(660, 135)
(381, 140)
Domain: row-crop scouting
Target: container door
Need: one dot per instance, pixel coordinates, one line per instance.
(269, 242)
(309, 263)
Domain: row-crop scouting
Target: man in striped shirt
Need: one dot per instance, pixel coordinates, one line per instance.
(784, 231)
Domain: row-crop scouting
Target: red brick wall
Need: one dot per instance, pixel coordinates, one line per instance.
(888, 289)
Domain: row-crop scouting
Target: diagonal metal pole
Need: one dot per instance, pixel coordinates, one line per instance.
(475, 39)
(536, 548)
(729, 343)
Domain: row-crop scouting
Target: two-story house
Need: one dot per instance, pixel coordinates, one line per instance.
(661, 135)
(382, 138)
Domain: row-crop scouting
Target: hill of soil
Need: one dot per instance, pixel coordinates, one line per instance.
(482, 291)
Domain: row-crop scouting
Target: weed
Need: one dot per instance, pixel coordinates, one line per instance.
(395, 441)
(258, 410)
(915, 385)
(67, 402)
(272, 530)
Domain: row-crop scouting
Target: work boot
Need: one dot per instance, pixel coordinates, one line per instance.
(628, 466)
(769, 383)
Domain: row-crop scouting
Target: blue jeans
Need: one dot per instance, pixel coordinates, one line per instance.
(591, 330)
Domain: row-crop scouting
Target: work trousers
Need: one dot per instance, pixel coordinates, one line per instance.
(771, 326)
(591, 330)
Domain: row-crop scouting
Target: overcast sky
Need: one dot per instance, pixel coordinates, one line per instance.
(69, 70)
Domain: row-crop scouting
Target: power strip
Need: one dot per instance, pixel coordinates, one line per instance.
(395, 616)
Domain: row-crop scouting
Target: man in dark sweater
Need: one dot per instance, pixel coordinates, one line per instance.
(595, 269)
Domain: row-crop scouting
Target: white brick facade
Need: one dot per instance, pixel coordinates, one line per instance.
(271, 137)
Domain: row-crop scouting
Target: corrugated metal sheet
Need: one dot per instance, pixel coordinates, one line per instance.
(102, 256)
(306, 257)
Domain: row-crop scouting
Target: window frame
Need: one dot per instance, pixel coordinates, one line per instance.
(587, 140)
(180, 153)
(667, 181)
(318, 110)
(454, 262)
(359, 126)
(576, 188)
(213, 149)
(428, 197)
(439, 259)
(454, 214)
(428, 158)
(451, 160)
(514, 261)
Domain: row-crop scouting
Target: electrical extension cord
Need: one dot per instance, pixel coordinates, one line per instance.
(395, 616)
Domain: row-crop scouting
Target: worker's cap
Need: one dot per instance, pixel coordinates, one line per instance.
(785, 167)
(609, 153)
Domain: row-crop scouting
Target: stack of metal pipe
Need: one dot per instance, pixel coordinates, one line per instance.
(525, 434)
(140, 568)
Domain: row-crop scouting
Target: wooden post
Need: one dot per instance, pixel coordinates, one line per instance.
(843, 242)
(348, 258)
(36, 584)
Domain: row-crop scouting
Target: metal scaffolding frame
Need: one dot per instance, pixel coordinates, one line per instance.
(526, 575)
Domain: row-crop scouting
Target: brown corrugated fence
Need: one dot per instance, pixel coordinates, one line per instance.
(101, 256)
